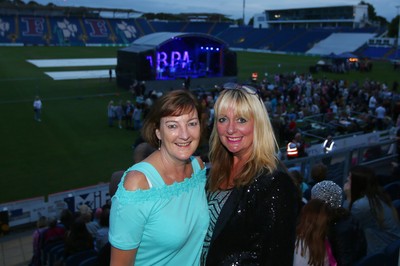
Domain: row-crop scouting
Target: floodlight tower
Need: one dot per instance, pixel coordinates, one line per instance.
(244, 5)
(398, 33)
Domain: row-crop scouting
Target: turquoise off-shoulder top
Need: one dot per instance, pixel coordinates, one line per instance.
(166, 223)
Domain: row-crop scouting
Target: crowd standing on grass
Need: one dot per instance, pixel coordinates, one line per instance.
(119, 113)
(110, 113)
(292, 96)
(289, 97)
(357, 106)
(131, 113)
(129, 108)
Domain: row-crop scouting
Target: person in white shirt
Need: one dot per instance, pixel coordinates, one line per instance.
(372, 103)
(37, 108)
(380, 112)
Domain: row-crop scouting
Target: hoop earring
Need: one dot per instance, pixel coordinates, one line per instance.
(159, 144)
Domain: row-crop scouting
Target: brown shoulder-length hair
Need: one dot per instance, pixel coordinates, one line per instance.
(364, 182)
(312, 231)
(263, 157)
(173, 103)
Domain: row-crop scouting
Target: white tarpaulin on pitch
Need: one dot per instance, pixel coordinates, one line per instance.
(74, 62)
(85, 74)
(78, 74)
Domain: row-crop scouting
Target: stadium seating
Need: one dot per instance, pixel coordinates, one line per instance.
(372, 260)
(76, 259)
(202, 27)
(234, 36)
(144, 26)
(306, 40)
(169, 26)
(394, 54)
(393, 190)
(56, 253)
(48, 248)
(396, 205)
(376, 52)
(84, 31)
(91, 261)
(338, 43)
(218, 27)
(392, 253)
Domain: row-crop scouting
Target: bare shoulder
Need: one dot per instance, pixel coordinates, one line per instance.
(202, 165)
(135, 180)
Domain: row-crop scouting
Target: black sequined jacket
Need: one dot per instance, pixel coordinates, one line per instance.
(257, 224)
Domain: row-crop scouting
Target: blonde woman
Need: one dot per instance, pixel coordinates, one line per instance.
(252, 199)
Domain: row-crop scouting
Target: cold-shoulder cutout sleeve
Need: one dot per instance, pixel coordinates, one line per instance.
(135, 180)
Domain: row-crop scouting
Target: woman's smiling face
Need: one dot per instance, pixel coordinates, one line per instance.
(180, 135)
(235, 132)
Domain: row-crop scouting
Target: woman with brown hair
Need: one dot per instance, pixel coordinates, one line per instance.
(159, 213)
(372, 208)
(312, 245)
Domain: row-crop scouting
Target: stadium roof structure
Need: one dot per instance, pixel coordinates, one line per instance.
(204, 17)
(350, 16)
(155, 40)
(33, 7)
(309, 7)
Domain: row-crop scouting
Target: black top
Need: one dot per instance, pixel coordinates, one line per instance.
(346, 238)
(257, 224)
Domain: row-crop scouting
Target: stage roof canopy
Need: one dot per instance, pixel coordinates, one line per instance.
(155, 40)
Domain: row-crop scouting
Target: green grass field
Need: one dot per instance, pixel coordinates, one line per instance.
(73, 146)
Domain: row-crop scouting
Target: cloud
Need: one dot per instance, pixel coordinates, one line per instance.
(232, 8)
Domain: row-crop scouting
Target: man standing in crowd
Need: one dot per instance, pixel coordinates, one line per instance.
(327, 147)
(37, 108)
(328, 144)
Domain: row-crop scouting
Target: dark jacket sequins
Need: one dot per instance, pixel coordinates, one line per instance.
(257, 224)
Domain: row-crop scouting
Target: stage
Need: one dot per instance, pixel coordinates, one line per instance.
(195, 83)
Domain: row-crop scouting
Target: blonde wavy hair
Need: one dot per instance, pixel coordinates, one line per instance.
(247, 104)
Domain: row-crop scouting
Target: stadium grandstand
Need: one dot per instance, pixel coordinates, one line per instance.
(315, 17)
(325, 30)
(314, 30)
